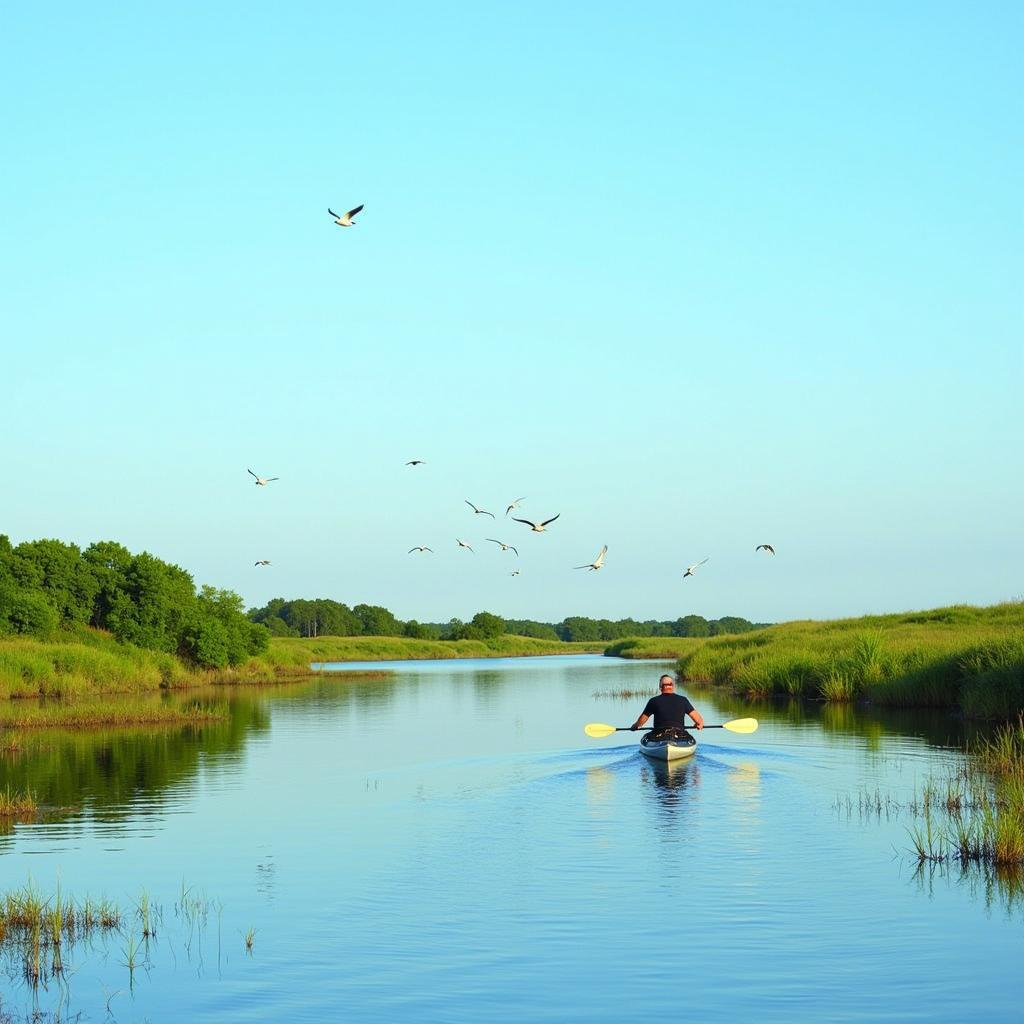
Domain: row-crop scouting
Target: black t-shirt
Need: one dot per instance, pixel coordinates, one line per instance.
(669, 709)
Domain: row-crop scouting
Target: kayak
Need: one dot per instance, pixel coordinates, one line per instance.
(671, 748)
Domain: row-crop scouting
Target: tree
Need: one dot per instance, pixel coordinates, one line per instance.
(488, 625)
(691, 625)
(377, 621)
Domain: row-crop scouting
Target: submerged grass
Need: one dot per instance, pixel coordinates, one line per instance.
(963, 656)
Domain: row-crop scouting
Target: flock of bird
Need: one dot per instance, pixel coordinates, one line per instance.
(346, 220)
(535, 527)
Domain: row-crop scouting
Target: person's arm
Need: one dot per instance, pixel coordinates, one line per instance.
(697, 717)
(639, 722)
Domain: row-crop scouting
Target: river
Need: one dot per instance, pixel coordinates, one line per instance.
(446, 845)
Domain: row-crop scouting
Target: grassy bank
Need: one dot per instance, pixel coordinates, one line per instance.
(653, 647)
(290, 651)
(959, 657)
(87, 678)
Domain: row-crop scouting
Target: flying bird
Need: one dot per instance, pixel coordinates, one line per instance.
(537, 527)
(463, 544)
(420, 547)
(262, 481)
(504, 546)
(597, 562)
(345, 220)
(514, 572)
(515, 504)
(766, 547)
(691, 569)
(415, 462)
(262, 561)
(479, 511)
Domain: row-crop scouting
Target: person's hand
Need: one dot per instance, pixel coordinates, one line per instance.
(633, 727)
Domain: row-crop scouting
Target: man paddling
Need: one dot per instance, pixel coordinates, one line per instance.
(670, 710)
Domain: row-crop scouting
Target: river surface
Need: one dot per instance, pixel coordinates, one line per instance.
(446, 845)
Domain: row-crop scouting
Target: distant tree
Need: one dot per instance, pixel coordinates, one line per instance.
(414, 630)
(489, 625)
(729, 624)
(579, 628)
(377, 621)
(691, 625)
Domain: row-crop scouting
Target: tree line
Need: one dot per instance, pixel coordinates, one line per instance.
(325, 617)
(47, 586)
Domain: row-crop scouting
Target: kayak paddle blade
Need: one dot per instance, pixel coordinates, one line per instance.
(741, 725)
(598, 730)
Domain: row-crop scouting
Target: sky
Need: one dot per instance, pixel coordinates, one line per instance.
(695, 277)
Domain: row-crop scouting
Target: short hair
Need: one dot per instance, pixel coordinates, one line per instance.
(668, 677)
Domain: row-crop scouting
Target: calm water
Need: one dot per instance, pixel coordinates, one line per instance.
(447, 845)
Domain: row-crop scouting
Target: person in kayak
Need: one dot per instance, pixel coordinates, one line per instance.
(670, 710)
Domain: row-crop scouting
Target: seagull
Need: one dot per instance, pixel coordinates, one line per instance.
(514, 572)
(262, 561)
(767, 547)
(262, 481)
(420, 547)
(463, 544)
(479, 511)
(415, 462)
(597, 562)
(691, 569)
(504, 546)
(536, 527)
(515, 504)
(345, 220)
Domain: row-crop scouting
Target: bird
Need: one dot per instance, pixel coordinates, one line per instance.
(536, 527)
(262, 481)
(463, 544)
(504, 546)
(515, 504)
(514, 572)
(597, 562)
(262, 561)
(415, 462)
(767, 547)
(479, 511)
(420, 547)
(691, 569)
(345, 220)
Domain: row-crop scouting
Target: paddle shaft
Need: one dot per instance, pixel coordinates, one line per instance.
(650, 728)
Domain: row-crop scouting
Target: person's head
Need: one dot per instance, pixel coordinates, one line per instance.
(666, 684)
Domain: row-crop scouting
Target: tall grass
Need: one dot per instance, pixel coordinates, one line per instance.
(983, 805)
(963, 656)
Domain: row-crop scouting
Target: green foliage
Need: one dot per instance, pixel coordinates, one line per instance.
(140, 599)
(483, 626)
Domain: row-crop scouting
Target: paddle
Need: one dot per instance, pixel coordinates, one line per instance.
(599, 729)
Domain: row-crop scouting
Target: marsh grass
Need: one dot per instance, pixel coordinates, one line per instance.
(652, 647)
(86, 678)
(976, 814)
(963, 656)
(17, 804)
(37, 930)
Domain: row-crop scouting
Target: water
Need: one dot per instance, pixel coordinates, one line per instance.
(446, 845)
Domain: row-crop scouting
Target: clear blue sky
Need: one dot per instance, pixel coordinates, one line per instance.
(694, 276)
